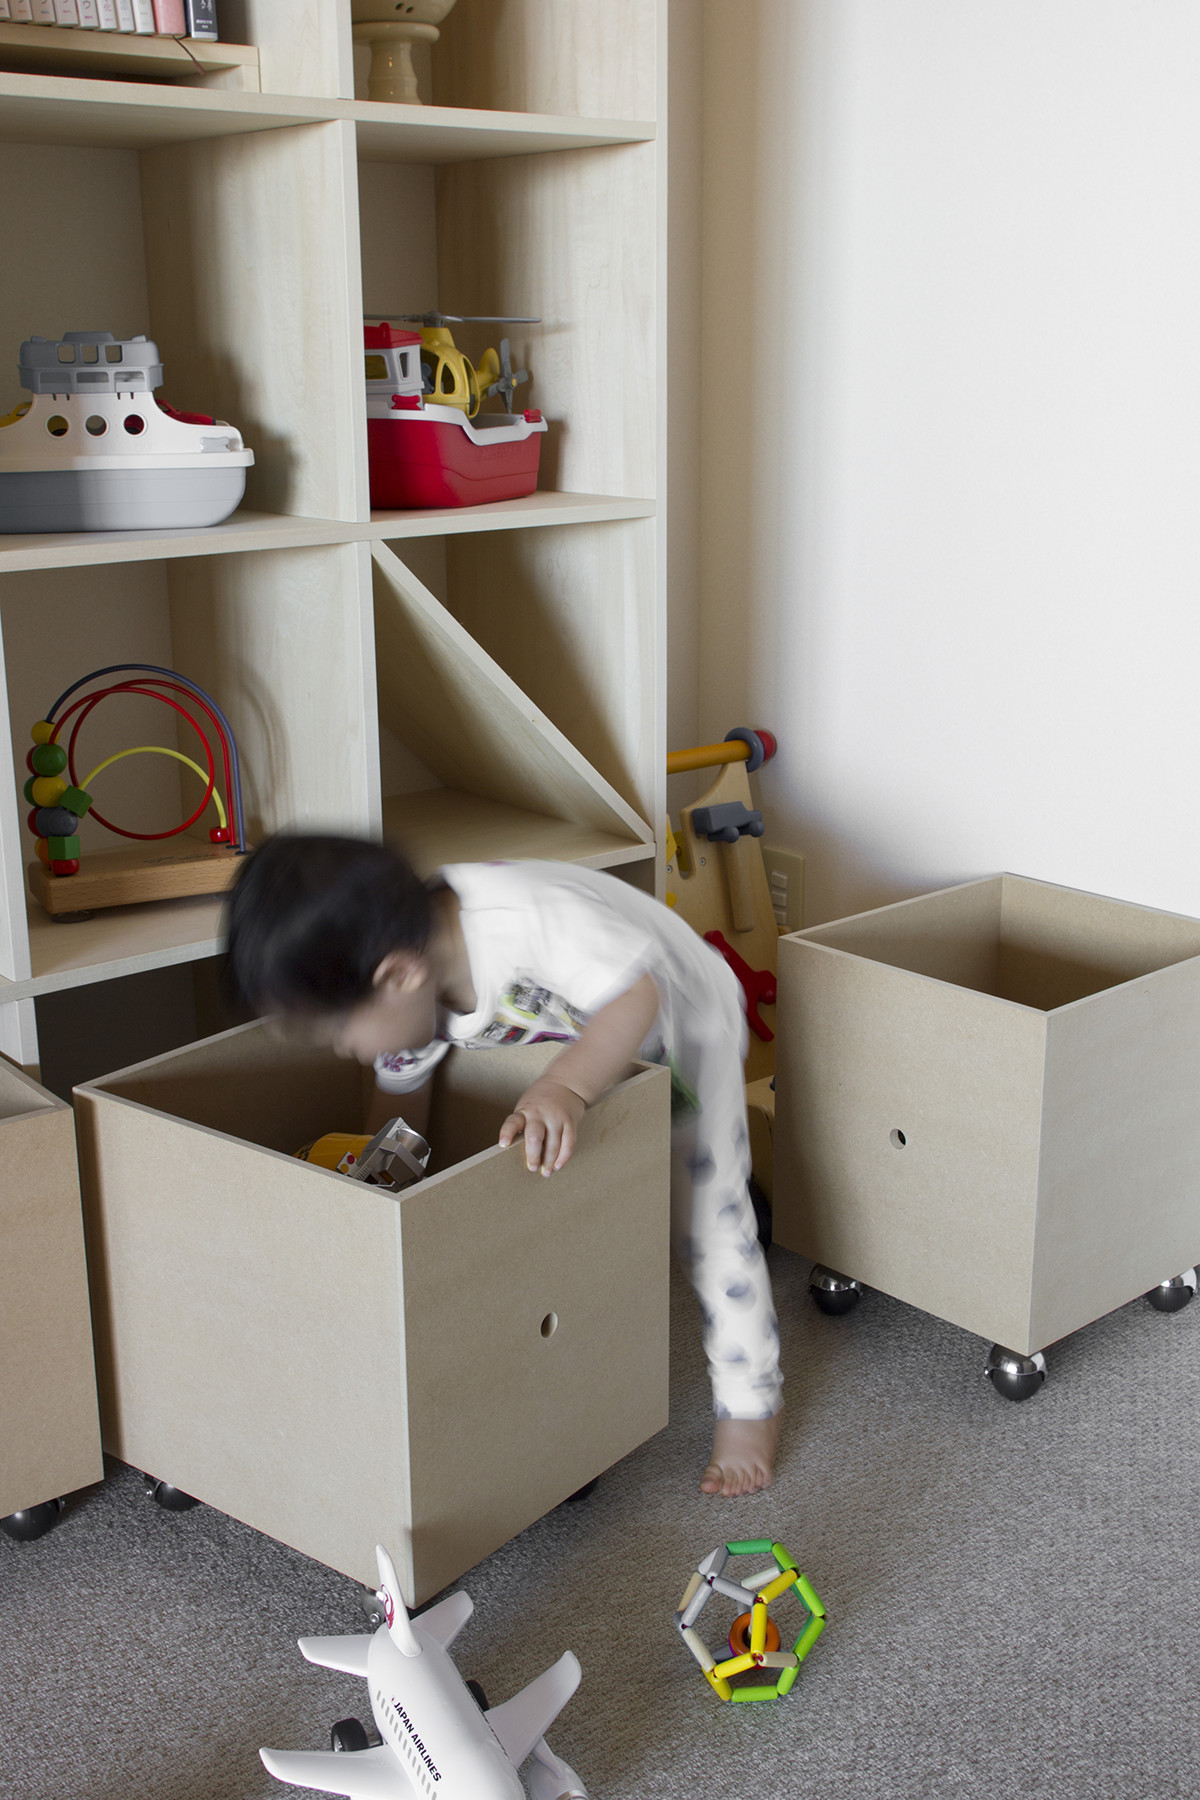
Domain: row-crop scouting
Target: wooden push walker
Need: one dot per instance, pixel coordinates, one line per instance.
(717, 882)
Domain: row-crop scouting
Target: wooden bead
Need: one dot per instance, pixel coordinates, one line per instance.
(49, 759)
(43, 851)
(42, 732)
(31, 821)
(76, 800)
(55, 821)
(221, 834)
(27, 790)
(63, 849)
(48, 790)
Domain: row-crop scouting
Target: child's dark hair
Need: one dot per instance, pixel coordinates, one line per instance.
(310, 919)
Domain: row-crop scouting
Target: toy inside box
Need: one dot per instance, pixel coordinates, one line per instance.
(67, 884)
(428, 441)
(335, 1363)
(49, 1432)
(94, 451)
(987, 1104)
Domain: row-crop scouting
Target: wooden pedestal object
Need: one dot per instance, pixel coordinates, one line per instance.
(340, 1367)
(987, 1103)
(130, 877)
(49, 1432)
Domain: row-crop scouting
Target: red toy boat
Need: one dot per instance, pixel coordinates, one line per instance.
(430, 452)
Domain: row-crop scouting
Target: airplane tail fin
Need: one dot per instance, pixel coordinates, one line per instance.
(394, 1610)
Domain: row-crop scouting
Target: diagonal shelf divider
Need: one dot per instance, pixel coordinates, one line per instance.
(476, 732)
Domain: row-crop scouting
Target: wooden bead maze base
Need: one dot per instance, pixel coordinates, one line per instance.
(127, 877)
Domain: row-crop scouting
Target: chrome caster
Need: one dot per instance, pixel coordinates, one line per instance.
(31, 1521)
(172, 1498)
(833, 1293)
(1171, 1295)
(1015, 1377)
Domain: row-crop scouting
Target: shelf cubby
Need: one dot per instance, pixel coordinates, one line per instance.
(489, 773)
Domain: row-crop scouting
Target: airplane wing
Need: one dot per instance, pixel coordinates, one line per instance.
(346, 1653)
(359, 1774)
(521, 1721)
(444, 1621)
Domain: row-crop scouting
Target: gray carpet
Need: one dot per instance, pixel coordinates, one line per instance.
(1011, 1595)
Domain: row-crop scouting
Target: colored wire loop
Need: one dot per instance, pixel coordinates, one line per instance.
(162, 750)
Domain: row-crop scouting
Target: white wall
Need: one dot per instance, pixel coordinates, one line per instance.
(951, 470)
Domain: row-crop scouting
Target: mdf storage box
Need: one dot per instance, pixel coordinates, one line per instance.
(340, 1366)
(988, 1103)
(49, 1430)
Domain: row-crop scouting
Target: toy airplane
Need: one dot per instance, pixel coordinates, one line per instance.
(436, 1738)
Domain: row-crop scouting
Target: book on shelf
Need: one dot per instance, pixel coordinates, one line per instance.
(143, 17)
(21, 10)
(43, 12)
(169, 20)
(125, 18)
(89, 16)
(202, 19)
(66, 12)
(4, 12)
(108, 15)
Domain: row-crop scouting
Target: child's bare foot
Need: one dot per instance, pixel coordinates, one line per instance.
(743, 1456)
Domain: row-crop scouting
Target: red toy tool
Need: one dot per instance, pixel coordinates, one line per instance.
(758, 985)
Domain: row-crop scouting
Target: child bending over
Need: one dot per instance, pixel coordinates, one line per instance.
(340, 935)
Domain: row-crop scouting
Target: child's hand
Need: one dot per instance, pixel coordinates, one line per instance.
(546, 1116)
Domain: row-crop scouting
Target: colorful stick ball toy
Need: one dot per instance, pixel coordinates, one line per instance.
(755, 1642)
(59, 798)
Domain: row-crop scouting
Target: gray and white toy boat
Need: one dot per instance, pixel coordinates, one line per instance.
(94, 451)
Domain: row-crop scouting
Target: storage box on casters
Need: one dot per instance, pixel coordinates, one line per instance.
(338, 1365)
(49, 1432)
(988, 1103)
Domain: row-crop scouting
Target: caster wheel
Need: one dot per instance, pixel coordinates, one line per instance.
(373, 1607)
(1015, 1377)
(478, 1695)
(583, 1493)
(32, 1521)
(349, 1734)
(833, 1293)
(173, 1499)
(1170, 1295)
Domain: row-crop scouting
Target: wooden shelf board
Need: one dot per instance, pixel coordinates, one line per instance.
(49, 47)
(510, 515)
(62, 109)
(120, 941)
(247, 531)
(444, 825)
(244, 531)
(442, 134)
(66, 109)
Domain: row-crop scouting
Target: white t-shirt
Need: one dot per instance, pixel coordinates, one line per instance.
(549, 944)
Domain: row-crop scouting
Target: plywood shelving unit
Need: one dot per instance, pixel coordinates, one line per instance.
(479, 682)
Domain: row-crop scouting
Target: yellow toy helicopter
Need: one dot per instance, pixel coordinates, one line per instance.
(448, 378)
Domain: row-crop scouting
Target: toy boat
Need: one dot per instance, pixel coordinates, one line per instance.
(94, 451)
(428, 444)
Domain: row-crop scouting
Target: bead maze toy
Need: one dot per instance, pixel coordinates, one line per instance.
(754, 1638)
(66, 884)
(94, 451)
(428, 442)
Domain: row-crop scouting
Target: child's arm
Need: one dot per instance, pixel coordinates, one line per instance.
(548, 1113)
